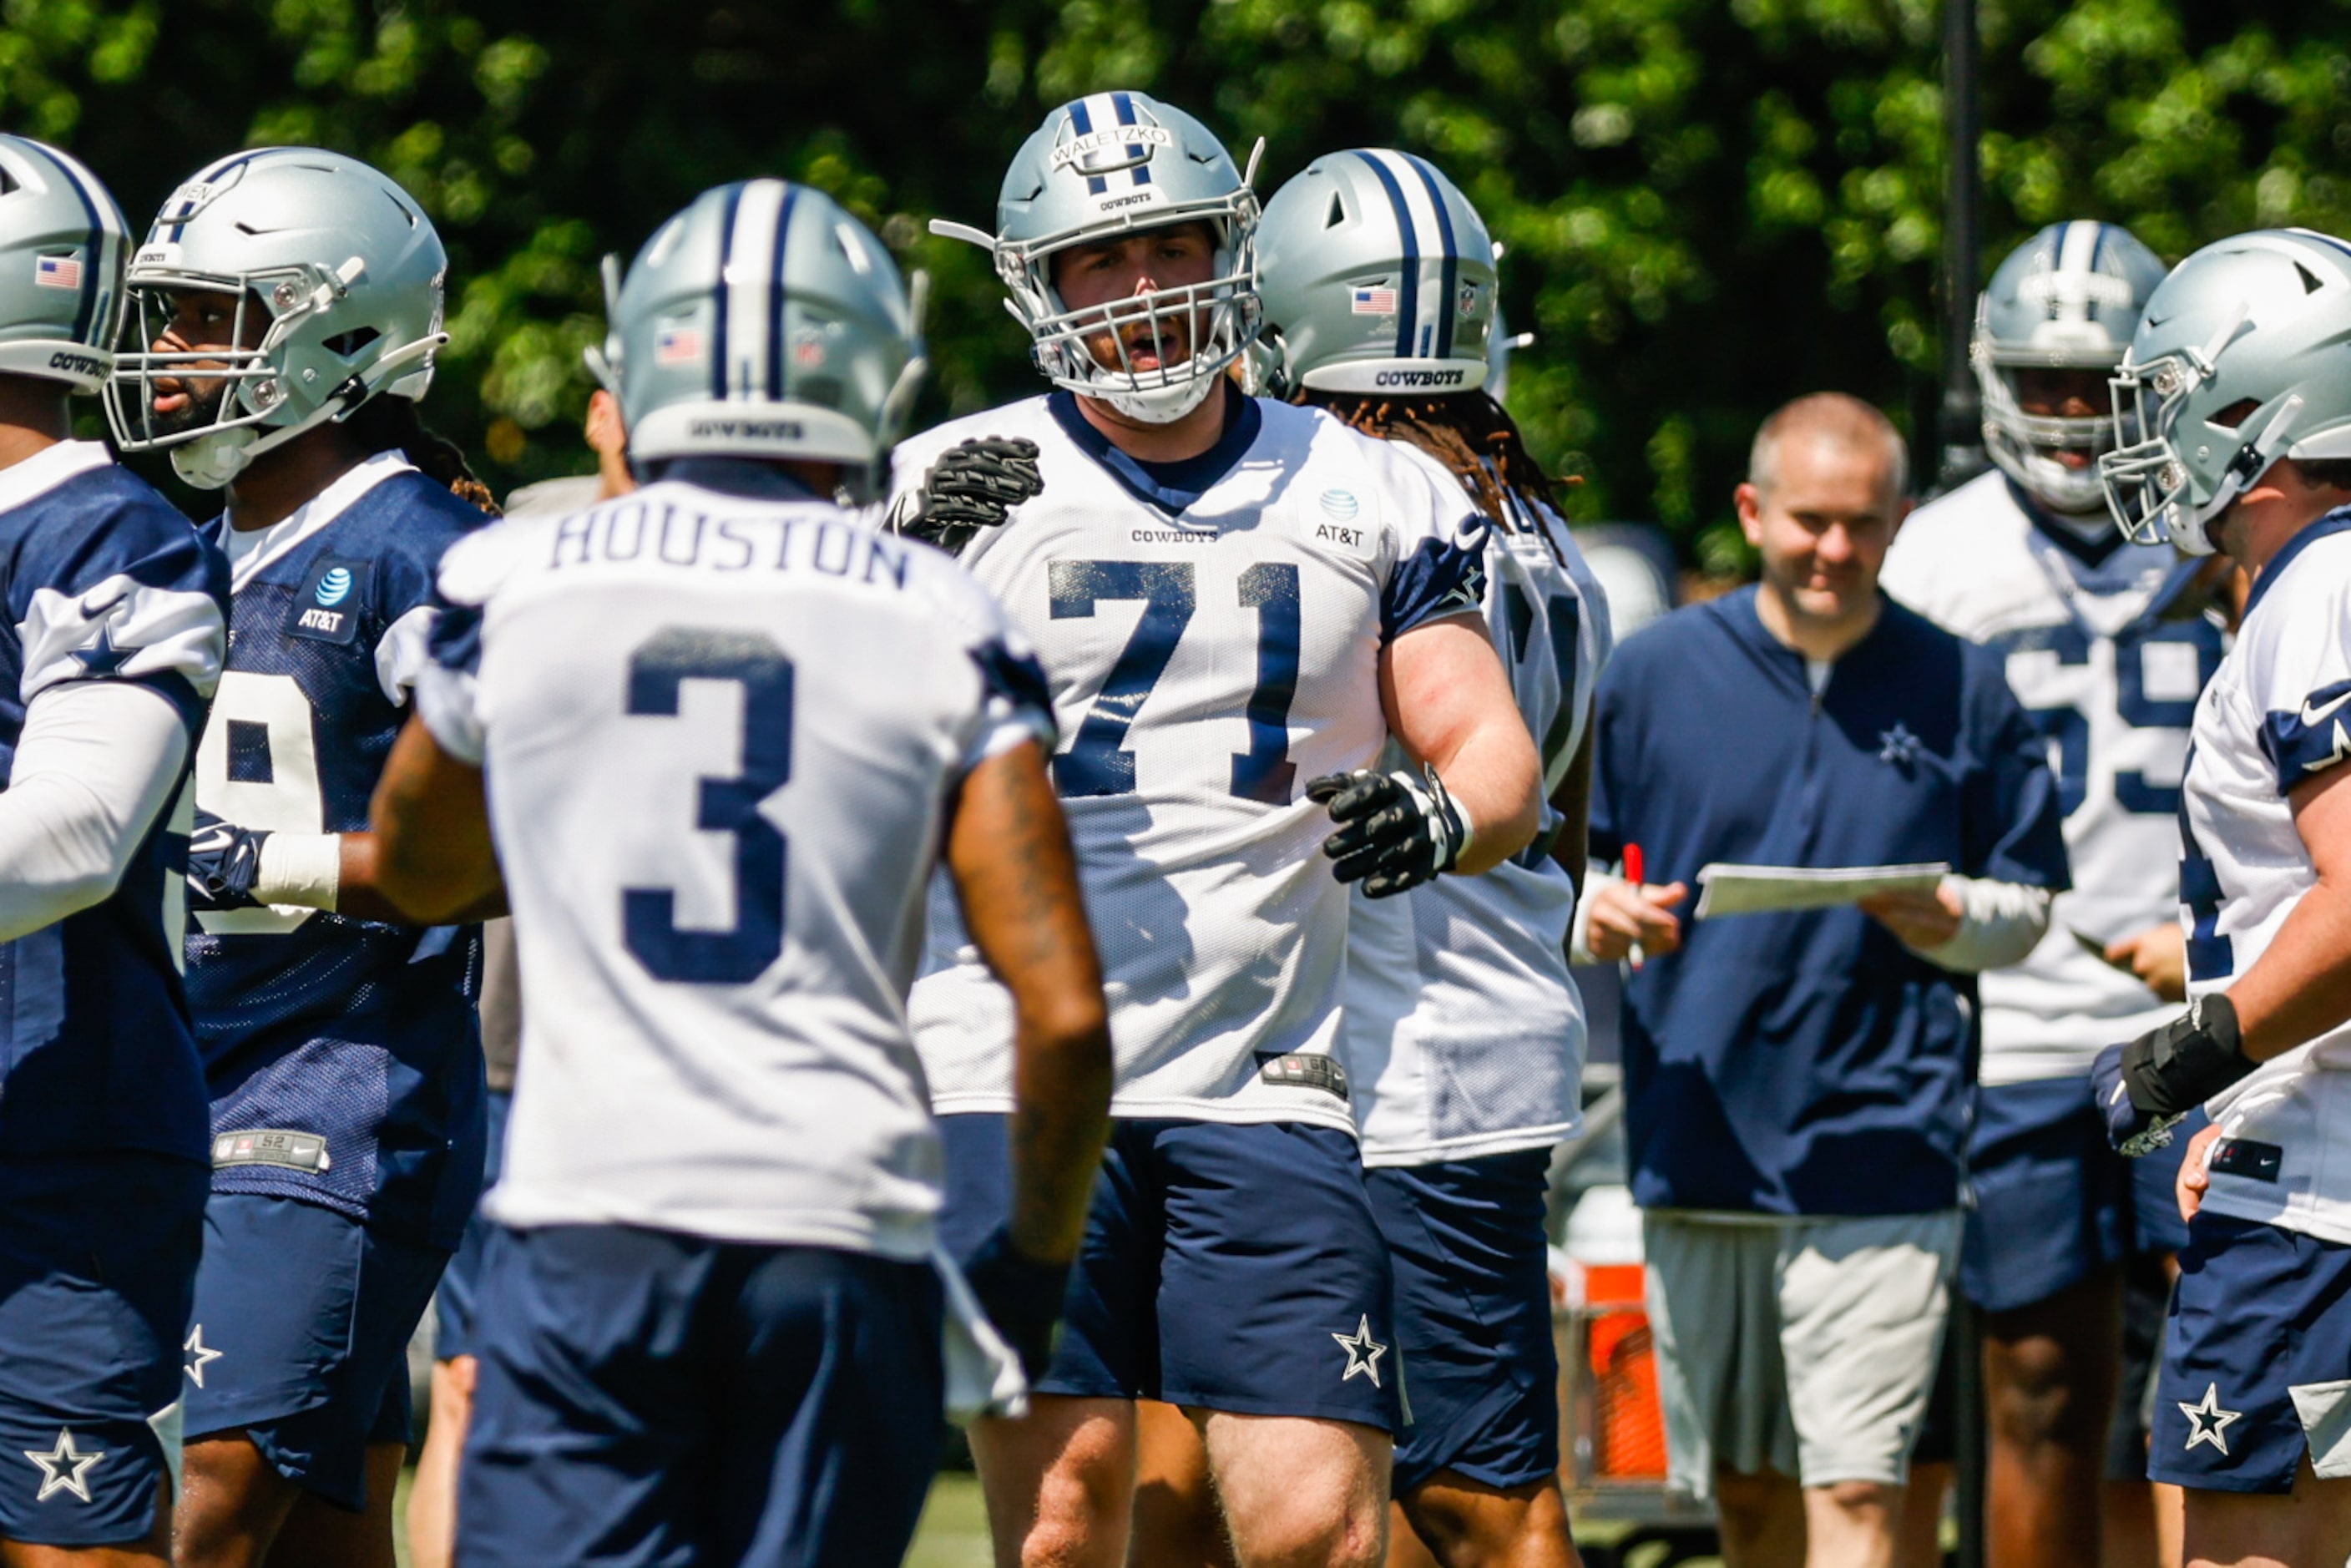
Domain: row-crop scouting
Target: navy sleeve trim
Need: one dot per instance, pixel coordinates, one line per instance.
(2308, 740)
(1438, 578)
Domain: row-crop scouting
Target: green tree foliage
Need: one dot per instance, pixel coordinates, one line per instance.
(1709, 205)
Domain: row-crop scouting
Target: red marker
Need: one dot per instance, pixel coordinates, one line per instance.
(1632, 867)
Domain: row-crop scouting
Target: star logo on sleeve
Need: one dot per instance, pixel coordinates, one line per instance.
(1899, 746)
(101, 657)
(1363, 1353)
(2206, 1422)
(64, 1468)
(202, 1355)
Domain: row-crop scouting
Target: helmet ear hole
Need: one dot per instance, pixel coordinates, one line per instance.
(2236, 413)
(347, 344)
(1338, 214)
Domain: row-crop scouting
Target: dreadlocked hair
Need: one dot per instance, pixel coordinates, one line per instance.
(384, 423)
(1469, 433)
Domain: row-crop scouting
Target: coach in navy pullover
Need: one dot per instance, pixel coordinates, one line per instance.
(1815, 1063)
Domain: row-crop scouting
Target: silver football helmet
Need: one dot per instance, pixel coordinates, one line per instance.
(2067, 298)
(1378, 277)
(1104, 165)
(764, 321)
(337, 277)
(62, 245)
(2239, 359)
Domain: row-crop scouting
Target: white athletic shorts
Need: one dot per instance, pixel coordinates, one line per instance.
(1804, 1346)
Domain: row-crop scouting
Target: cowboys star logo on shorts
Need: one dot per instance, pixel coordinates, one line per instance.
(1362, 1352)
(202, 1355)
(65, 1468)
(2206, 1422)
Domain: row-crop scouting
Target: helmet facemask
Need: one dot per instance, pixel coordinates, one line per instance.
(2026, 446)
(1216, 319)
(2150, 487)
(249, 390)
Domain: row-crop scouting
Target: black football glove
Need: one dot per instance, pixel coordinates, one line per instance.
(1394, 832)
(2145, 1089)
(971, 487)
(223, 862)
(1021, 1296)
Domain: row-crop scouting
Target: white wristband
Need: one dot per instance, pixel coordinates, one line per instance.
(301, 869)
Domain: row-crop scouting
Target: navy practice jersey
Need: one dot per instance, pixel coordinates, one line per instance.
(104, 581)
(1807, 1062)
(343, 1055)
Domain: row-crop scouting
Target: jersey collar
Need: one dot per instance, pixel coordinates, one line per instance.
(47, 469)
(2334, 522)
(1170, 487)
(313, 514)
(2093, 551)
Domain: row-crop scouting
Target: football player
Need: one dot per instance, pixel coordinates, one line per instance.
(1236, 602)
(2107, 644)
(727, 729)
(112, 643)
(285, 310)
(2235, 405)
(1463, 1036)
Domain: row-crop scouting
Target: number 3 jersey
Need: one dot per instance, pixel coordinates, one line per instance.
(1211, 631)
(1463, 1032)
(103, 581)
(720, 729)
(2108, 664)
(343, 1054)
(2278, 714)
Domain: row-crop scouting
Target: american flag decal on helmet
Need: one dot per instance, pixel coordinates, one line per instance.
(677, 346)
(1374, 302)
(56, 272)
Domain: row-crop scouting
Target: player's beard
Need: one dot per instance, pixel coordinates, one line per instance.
(199, 412)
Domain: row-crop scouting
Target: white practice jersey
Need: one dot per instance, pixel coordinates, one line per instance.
(2102, 660)
(1212, 636)
(2274, 715)
(720, 733)
(1464, 1035)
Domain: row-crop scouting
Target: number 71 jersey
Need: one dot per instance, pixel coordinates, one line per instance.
(1211, 632)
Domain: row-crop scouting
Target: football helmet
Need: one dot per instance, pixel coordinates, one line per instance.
(2239, 360)
(1378, 277)
(337, 277)
(62, 245)
(764, 321)
(2068, 298)
(1104, 165)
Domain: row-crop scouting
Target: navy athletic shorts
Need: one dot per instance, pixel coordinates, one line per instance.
(1225, 1267)
(647, 1398)
(2256, 1358)
(98, 1259)
(1473, 1313)
(453, 1304)
(2054, 1202)
(299, 1337)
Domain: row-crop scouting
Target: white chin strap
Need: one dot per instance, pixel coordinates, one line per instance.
(211, 460)
(1161, 406)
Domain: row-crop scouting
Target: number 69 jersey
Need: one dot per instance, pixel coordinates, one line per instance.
(2108, 669)
(358, 1034)
(1211, 631)
(719, 729)
(2277, 714)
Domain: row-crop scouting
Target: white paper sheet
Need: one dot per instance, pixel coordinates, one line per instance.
(1763, 889)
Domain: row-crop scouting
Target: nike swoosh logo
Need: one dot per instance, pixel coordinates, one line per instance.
(2313, 718)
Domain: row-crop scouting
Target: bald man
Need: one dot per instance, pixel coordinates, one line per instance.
(1798, 1082)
